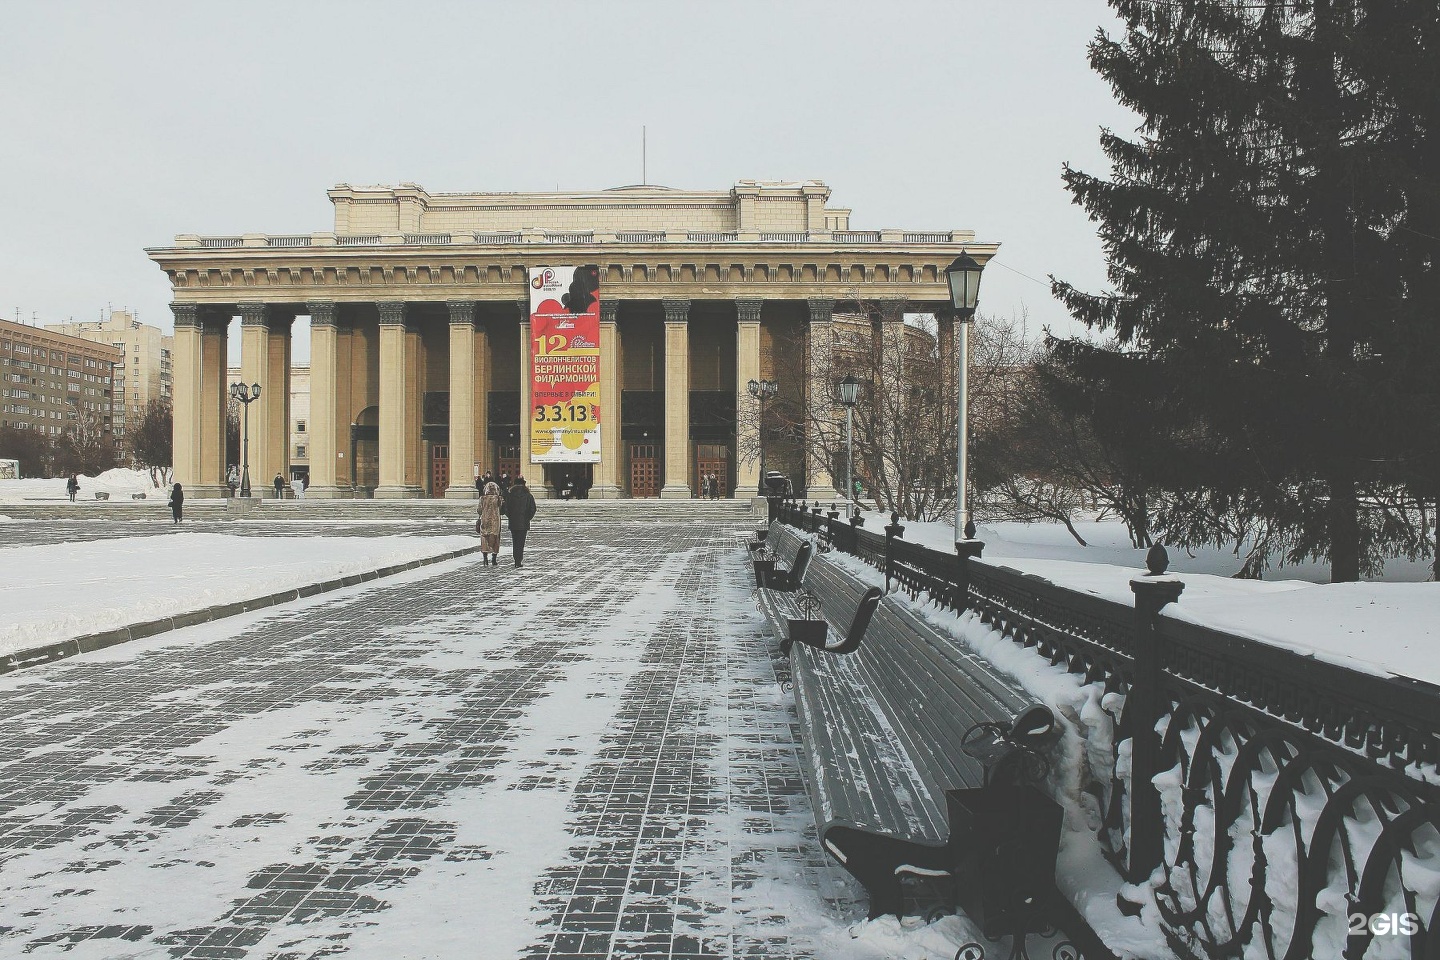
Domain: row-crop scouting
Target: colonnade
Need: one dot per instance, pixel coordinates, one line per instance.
(391, 355)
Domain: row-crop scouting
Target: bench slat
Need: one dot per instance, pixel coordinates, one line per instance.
(929, 709)
(892, 795)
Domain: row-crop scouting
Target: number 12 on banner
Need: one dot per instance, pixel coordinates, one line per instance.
(562, 413)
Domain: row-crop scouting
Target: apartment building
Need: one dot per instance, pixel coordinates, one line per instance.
(144, 371)
(47, 379)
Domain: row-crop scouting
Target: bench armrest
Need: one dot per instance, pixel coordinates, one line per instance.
(864, 612)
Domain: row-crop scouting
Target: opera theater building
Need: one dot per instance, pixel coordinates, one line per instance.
(602, 342)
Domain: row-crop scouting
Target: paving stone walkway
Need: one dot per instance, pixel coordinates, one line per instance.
(587, 758)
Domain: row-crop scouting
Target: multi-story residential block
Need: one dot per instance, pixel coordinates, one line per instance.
(144, 372)
(47, 379)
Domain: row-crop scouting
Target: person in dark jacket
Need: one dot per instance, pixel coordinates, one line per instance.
(72, 486)
(520, 508)
(279, 486)
(177, 502)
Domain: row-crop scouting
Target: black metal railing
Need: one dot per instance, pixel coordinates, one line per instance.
(1267, 787)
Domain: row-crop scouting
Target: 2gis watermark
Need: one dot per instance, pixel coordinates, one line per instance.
(1384, 924)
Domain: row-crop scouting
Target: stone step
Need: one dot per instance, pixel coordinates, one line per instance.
(549, 510)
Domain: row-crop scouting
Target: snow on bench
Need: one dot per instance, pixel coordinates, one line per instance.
(908, 750)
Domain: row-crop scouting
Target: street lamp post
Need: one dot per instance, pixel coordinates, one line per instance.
(247, 396)
(848, 393)
(762, 390)
(963, 276)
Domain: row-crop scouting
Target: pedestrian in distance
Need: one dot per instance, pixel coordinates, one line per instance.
(488, 526)
(504, 483)
(177, 502)
(520, 508)
(279, 485)
(72, 486)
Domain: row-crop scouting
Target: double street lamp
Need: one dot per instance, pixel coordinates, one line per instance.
(247, 396)
(847, 391)
(963, 276)
(762, 390)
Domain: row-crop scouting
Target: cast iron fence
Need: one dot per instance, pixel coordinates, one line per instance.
(1280, 806)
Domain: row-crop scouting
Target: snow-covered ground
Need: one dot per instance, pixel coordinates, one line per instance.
(119, 483)
(1387, 627)
(55, 592)
(659, 747)
(1107, 542)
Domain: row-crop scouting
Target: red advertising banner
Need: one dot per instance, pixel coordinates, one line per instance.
(564, 365)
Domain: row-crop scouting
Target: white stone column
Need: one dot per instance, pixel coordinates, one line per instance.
(255, 358)
(819, 400)
(747, 368)
(395, 442)
(462, 400)
(215, 400)
(418, 472)
(607, 471)
(188, 397)
(677, 400)
(481, 441)
(325, 475)
(278, 325)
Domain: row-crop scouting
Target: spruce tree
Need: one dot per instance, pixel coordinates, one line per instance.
(1249, 234)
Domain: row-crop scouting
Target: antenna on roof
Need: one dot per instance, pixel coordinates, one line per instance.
(644, 157)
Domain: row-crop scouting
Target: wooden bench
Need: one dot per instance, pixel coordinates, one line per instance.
(911, 760)
(789, 580)
(782, 546)
(791, 552)
(798, 617)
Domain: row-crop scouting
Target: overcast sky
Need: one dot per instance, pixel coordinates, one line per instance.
(126, 123)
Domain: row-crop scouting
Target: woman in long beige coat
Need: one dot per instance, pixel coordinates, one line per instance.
(490, 523)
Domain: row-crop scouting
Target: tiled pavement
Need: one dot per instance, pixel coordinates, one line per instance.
(582, 759)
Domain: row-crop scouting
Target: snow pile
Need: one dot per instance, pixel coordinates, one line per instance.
(59, 591)
(120, 483)
(1107, 541)
(1369, 627)
(1384, 628)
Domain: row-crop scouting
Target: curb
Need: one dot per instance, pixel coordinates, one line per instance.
(50, 652)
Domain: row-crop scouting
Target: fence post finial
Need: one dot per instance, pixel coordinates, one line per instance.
(1157, 561)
